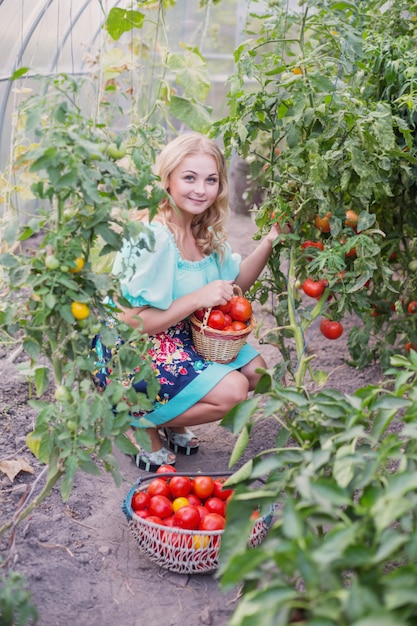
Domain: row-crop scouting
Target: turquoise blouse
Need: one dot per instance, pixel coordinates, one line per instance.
(157, 278)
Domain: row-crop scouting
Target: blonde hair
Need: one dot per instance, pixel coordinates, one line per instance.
(209, 228)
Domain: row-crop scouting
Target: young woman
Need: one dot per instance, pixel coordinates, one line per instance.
(192, 267)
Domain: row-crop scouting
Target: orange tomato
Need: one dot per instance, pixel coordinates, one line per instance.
(351, 218)
(323, 223)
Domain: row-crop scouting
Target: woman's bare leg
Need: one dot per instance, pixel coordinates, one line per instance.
(228, 392)
(249, 370)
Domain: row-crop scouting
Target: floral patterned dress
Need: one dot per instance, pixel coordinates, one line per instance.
(157, 278)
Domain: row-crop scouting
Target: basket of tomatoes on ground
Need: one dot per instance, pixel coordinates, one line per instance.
(220, 332)
(177, 520)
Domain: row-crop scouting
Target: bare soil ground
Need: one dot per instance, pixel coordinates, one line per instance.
(80, 559)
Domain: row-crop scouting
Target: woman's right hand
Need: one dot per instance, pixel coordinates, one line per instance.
(215, 293)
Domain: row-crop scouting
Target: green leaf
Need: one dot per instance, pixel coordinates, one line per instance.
(240, 445)
(90, 468)
(292, 521)
(32, 348)
(194, 115)
(191, 73)
(236, 419)
(41, 380)
(120, 21)
(334, 544)
(67, 482)
(19, 73)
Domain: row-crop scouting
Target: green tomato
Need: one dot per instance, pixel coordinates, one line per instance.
(62, 394)
(412, 266)
(51, 262)
(115, 152)
(64, 268)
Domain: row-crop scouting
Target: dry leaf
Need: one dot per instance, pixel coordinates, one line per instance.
(13, 467)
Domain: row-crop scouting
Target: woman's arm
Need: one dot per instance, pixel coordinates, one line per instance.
(252, 266)
(157, 320)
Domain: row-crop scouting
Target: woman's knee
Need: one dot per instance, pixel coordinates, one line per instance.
(232, 389)
(249, 371)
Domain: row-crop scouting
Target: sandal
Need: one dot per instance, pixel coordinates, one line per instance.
(151, 461)
(181, 442)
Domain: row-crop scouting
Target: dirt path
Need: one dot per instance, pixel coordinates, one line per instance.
(80, 559)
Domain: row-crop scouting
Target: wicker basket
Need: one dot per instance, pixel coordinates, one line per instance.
(182, 551)
(219, 345)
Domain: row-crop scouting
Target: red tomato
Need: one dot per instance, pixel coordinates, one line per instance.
(212, 521)
(180, 486)
(240, 309)
(187, 517)
(202, 511)
(312, 244)
(166, 469)
(331, 329)
(140, 500)
(216, 320)
(203, 486)
(412, 307)
(219, 491)
(160, 506)
(193, 499)
(225, 308)
(410, 346)
(314, 288)
(143, 513)
(227, 320)
(158, 487)
(200, 314)
(170, 521)
(155, 520)
(238, 325)
(216, 505)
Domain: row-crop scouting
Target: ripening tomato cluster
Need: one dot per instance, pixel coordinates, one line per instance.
(197, 503)
(232, 316)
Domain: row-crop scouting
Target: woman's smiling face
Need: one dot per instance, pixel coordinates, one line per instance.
(194, 184)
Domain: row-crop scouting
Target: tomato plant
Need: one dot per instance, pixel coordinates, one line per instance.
(360, 215)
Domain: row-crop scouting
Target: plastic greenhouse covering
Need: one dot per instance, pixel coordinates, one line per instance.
(63, 36)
